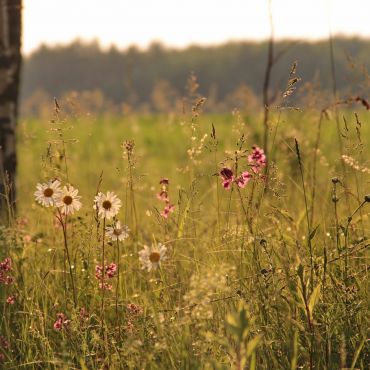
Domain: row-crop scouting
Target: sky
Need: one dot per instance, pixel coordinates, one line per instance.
(179, 23)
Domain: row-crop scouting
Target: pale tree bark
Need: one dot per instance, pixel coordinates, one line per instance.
(10, 64)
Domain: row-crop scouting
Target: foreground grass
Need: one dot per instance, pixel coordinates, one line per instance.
(273, 279)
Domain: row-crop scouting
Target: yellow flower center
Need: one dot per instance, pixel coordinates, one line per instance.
(154, 257)
(48, 192)
(107, 205)
(67, 200)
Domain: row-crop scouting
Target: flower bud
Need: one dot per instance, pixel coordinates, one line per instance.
(335, 180)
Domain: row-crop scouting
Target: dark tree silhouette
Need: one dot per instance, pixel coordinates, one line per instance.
(10, 63)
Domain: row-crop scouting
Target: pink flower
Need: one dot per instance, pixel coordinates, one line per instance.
(98, 271)
(111, 270)
(6, 279)
(58, 325)
(257, 155)
(134, 309)
(105, 286)
(10, 299)
(164, 181)
(243, 179)
(257, 159)
(6, 265)
(169, 208)
(227, 178)
(163, 196)
(226, 173)
(61, 322)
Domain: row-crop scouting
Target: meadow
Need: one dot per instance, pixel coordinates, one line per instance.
(228, 260)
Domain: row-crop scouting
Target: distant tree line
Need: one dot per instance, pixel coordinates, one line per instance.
(155, 78)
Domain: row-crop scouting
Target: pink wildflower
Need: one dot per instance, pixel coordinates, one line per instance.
(243, 179)
(105, 286)
(134, 309)
(257, 159)
(164, 181)
(61, 322)
(6, 265)
(227, 178)
(98, 272)
(163, 196)
(10, 299)
(169, 208)
(111, 270)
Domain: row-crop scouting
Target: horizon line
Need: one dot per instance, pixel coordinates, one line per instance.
(169, 46)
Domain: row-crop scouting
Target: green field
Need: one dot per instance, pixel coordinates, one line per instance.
(270, 276)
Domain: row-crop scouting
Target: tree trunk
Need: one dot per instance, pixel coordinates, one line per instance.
(10, 64)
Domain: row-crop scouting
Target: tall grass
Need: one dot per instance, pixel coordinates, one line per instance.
(255, 277)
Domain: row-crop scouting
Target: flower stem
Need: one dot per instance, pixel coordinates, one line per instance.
(66, 253)
(118, 286)
(102, 278)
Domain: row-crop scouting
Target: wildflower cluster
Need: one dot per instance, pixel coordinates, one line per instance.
(228, 178)
(109, 272)
(256, 161)
(164, 197)
(50, 194)
(5, 268)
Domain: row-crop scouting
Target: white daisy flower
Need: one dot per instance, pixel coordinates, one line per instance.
(117, 232)
(151, 258)
(47, 193)
(107, 205)
(69, 201)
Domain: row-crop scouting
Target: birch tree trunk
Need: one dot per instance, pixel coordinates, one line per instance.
(10, 64)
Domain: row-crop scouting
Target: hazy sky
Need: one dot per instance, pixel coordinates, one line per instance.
(181, 22)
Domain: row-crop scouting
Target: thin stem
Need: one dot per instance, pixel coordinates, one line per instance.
(314, 172)
(102, 278)
(118, 285)
(307, 214)
(335, 200)
(346, 237)
(64, 228)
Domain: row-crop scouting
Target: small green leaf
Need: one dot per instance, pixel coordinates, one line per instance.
(313, 232)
